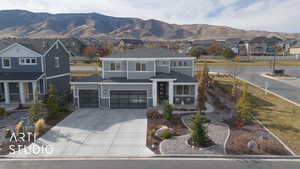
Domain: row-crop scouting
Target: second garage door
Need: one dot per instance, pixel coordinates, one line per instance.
(128, 99)
(88, 98)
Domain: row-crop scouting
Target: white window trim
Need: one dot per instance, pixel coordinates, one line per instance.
(183, 94)
(20, 61)
(110, 70)
(6, 67)
(141, 67)
(57, 64)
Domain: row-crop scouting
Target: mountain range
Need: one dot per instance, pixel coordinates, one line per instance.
(21, 23)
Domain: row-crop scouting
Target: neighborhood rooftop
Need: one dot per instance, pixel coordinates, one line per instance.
(148, 53)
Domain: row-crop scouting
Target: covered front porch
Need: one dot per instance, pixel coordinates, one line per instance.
(177, 94)
(13, 91)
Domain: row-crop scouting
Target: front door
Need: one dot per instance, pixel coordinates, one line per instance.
(162, 92)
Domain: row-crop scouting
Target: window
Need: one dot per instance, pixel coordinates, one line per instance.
(183, 90)
(27, 61)
(140, 67)
(115, 66)
(179, 63)
(6, 63)
(56, 62)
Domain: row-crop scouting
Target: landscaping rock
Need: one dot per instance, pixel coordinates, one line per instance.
(252, 145)
(161, 130)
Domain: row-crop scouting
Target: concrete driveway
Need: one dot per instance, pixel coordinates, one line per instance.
(94, 132)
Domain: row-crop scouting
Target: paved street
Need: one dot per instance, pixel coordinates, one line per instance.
(95, 132)
(288, 89)
(177, 163)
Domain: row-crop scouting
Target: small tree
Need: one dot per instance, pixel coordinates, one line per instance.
(228, 53)
(167, 110)
(215, 49)
(244, 106)
(203, 78)
(199, 132)
(35, 112)
(52, 102)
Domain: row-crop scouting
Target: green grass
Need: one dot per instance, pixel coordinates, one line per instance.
(278, 115)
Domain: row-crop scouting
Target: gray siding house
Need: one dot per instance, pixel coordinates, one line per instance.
(139, 78)
(26, 68)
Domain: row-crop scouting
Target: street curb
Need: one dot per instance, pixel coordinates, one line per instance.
(281, 142)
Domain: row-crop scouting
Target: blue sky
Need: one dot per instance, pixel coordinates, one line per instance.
(270, 15)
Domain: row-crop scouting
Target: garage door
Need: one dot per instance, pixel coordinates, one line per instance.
(128, 99)
(88, 98)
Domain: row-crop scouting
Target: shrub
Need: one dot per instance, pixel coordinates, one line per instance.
(35, 112)
(40, 127)
(19, 128)
(52, 102)
(244, 106)
(199, 132)
(167, 110)
(153, 114)
(166, 135)
(3, 113)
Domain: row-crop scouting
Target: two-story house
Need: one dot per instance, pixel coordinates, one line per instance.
(26, 68)
(139, 78)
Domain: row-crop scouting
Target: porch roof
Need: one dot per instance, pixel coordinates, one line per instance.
(180, 77)
(19, 76)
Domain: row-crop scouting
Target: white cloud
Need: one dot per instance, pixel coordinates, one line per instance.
(271, 15)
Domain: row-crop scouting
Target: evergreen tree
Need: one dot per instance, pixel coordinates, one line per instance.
(244, 106)
(199, 132)
(52, 102)
(35, 112)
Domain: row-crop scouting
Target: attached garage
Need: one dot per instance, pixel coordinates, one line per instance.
(128, 99)
(88, 99)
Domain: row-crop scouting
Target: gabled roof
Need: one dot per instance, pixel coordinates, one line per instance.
(180, 77)
(40, 45)
(148, 53)
(32, 44)
(263, 39)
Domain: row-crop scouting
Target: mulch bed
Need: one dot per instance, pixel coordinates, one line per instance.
(155, 121)
(209, 143)
(4, 146)
(266, 144)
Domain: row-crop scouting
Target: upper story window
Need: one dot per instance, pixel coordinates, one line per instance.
(115, 66)
(6, 63)
(163, 63)
(140, 66)
(27, 61)
(56, 63)
(180, 63)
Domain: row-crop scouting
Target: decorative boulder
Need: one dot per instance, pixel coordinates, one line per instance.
(252, 145)
(161, 130)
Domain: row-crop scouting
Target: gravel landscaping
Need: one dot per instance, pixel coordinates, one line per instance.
(217, 132)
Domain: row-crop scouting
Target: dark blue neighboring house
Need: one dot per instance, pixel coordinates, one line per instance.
(29, 67)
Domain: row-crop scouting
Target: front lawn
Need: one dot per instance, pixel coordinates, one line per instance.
(278, 115)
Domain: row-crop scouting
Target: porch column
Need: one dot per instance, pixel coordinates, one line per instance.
(34, 90)
(6, 93)
(154, 93)
(21, 91)
(171, 92)
(196, 93)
